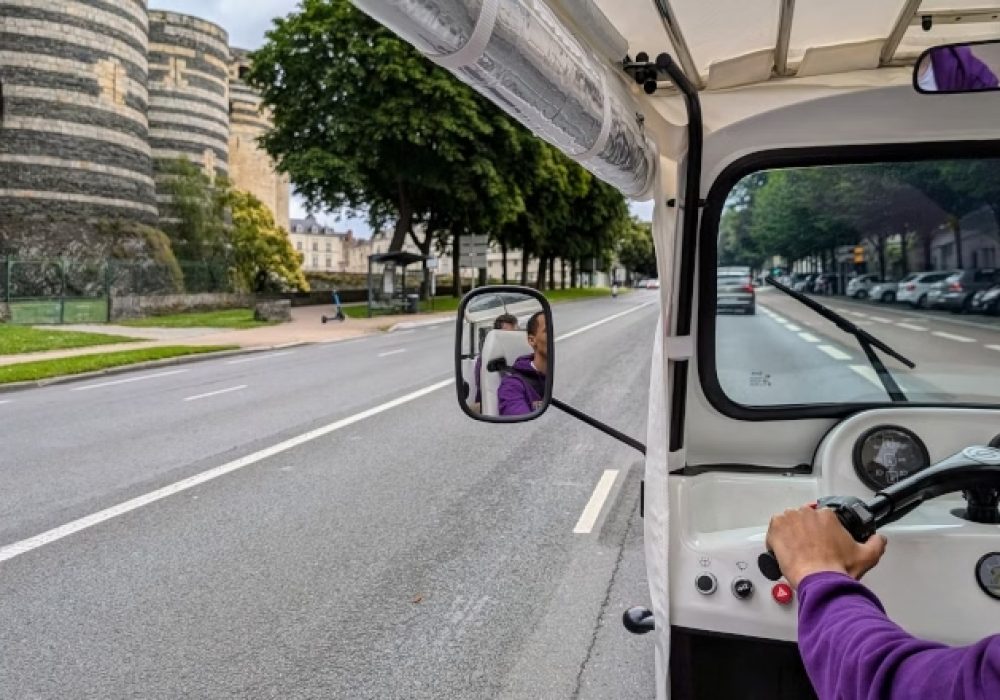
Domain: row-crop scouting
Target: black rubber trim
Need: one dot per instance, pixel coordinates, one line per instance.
(708, 254)
(699, 469)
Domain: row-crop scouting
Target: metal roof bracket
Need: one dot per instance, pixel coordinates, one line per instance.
(673, 29)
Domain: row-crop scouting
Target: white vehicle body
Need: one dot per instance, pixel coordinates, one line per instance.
(914, 291)
(861, 285)
(779, 82)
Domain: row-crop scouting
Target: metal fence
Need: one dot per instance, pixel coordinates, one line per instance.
(79, 291)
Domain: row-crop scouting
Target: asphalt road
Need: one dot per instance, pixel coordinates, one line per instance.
(788, 354)
(322, 522)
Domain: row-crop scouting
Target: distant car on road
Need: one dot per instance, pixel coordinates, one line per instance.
(955, 292)
(653, 284)
(914, 292)
(735, 291)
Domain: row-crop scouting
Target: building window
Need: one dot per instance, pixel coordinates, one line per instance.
(298, 245)
(329, 262)
(329, 247)
(315, 261)
(315, 246)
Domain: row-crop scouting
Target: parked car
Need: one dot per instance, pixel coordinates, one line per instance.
(886, 291)
(860, 287)
(987, 301)
(827, 283)
(735, 292)
(653, 283)
(914, 292)
(803, 282)
(955, 292)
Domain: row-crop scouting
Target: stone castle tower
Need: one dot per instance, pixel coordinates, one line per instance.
(92, 95)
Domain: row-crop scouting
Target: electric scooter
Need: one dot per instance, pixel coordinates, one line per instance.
(340, 315)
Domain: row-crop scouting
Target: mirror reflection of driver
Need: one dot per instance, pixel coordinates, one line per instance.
(521, 391)
(503, 322)
(954, 69)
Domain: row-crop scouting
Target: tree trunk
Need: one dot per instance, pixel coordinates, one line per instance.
(456, 270)
(562, 279)
(525, 258)
(574, 271)
(552, 273)
(904, 253)
(543, 266)
(880, 248)
(503, 250)
(956, 228)
(404, 223)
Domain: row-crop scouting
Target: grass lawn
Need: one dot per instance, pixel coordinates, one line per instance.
(451, 303)
(15, 340)
(44, 369)
(230, 318)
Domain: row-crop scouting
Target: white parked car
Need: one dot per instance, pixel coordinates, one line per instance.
(860, 287)
(914, 291)
(886, 291)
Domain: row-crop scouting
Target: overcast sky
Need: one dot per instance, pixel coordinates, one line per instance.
(246, 23)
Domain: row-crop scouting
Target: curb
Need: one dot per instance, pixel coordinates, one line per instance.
(152, 364)
(409, 325)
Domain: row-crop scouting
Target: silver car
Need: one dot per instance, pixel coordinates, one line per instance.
(914, 292)
(735, 292)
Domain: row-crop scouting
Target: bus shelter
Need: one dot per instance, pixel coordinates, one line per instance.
(392, 288)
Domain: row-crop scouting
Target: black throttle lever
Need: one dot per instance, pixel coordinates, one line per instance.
(853, 513)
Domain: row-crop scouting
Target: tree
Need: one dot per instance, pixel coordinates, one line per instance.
(260, 253)
(636, 251)
(195, 214)
(361, 119)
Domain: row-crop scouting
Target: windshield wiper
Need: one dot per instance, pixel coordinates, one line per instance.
(867, 341)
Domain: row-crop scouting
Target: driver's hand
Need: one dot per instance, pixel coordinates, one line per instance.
(810, 540)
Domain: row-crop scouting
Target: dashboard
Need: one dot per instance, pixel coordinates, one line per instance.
(935, 557)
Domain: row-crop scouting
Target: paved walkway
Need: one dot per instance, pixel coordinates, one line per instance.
(306, 326)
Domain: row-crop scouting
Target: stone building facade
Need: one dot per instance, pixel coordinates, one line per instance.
(92, 94)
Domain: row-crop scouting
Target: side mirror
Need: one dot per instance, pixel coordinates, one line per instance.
(504, 354)
(958, 68)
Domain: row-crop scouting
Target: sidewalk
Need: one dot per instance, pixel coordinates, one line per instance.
(306, 326)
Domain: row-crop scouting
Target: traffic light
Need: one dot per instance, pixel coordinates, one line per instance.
(859, 254)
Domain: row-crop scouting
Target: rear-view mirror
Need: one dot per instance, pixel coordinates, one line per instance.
(504, 354)
(959, 68)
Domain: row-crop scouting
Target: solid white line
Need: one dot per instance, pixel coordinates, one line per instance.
(593, 508)
(858, 314)
(3, 402)
(868, 373)
(792, 327)
(809, 337)
(911, 327)
(399, 333)
(241, 387)
(392, 352)
(956, 338)
(129, 380)
(994, 347)
(833, 352)
(578, 331)
(12, 550)
(879, 319)
(257, 358)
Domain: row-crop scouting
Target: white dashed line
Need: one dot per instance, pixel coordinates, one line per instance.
(129, 380)
(879, 319)
(809, 337)
(911, 327)
(833, 352)
(3, 402)
(258, 358)
(231, 389)
(593, 508)
(778, 318)
(392, 352)
(868, 373)
(956, 338)
(994, 347)
(792, 327)
(858, 314)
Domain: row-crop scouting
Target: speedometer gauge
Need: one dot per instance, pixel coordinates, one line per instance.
(887, 454)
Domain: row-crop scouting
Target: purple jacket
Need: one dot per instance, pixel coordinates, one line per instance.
(957, 69)
(516, 393)
(852, 650)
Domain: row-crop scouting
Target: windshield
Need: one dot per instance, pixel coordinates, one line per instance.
(832, 233)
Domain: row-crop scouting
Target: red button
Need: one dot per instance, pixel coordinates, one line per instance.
(782, 593)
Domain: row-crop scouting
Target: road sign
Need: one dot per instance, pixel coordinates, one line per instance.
(859, 254)
(475, 242)
(475, 260)
(432, 263)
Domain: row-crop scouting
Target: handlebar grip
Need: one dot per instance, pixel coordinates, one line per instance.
(853, 513)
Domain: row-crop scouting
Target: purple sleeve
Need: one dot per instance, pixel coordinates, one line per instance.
(851, 650)
(512, 397)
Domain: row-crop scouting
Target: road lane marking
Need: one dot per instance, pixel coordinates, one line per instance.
(396, 334)
(911, 327)
(593, 508)
(578, 331)
(778, 318)
(879, 319)
(231, 389)
(809, 337)
(833, 352)
(10, 551)
(858, 314)
(951, 336)
(868, 373)
(792, 327)
(143, 378)
(3, 402)
(258, 358)
(392, 352)
(994, 347)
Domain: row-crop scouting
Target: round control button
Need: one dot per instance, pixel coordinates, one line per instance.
(988, 574)
(782, 593)
(706, 583)
(742, 588)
